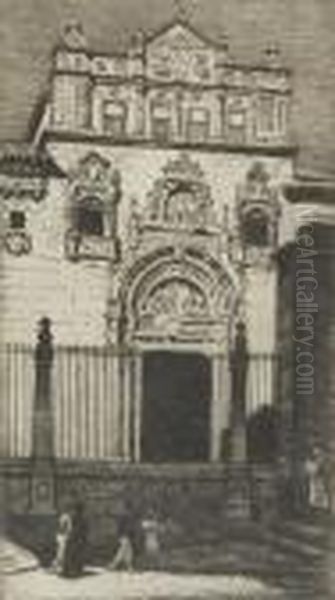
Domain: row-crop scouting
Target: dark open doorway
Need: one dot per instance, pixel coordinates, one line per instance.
(176, 407)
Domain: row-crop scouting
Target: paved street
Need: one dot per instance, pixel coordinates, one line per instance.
(292, 559)
(99, 585)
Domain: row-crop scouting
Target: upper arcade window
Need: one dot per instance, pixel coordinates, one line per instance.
(161, 120)
(114, 119)
(161, 129)
(255, 228)
(236, 119)
(197, 128)
(89, 217)
(267, 124)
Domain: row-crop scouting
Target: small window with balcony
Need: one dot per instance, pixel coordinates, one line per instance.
(255, 228)
(17, 219)
(90, 217)
(197, 128)
(114, 119)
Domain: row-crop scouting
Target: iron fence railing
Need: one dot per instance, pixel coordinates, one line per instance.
(85, 398)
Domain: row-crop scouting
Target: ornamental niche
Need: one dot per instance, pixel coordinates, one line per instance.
(258, 212)
(181, 198)
(95, 191)
(179, 212)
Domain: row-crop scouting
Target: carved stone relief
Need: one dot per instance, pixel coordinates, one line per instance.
(172, 302)
(181, 197)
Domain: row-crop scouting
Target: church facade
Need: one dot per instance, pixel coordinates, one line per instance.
(144, 221)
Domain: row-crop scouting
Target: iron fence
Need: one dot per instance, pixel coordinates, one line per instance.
(85, 398)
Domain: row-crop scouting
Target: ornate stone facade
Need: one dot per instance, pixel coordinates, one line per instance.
(153, 231)
(171, 87)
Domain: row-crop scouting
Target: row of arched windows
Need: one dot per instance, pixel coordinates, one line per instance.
(194, 123)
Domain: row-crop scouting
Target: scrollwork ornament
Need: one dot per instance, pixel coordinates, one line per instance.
(18, 243)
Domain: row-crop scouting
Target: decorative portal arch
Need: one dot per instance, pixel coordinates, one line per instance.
(177, 302)
(191, 288)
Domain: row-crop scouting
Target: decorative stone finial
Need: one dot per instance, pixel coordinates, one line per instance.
(138, 41)
(272, 54)
(223, 41)
(184, 9)
(44, 330)
(73, 35)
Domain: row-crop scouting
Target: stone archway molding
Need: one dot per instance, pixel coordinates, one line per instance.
(191, 286)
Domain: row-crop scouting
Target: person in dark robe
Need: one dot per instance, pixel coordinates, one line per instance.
(76, 549)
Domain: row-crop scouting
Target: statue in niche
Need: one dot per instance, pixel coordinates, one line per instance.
(180, 206)
(255, 228)
(258, 180)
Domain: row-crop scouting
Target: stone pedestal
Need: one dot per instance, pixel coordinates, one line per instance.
(42, 488)
(239, 443)
(42, 485)
(238, 490)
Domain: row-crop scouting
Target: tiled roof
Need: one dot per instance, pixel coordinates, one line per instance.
(21, 160)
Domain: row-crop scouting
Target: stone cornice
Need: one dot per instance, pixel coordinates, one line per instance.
(285, 150)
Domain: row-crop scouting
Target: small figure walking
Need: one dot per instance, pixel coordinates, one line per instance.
(124, 557)
(316, 489)
(151, 540)
(62, 536)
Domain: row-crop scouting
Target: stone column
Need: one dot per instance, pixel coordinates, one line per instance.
(42, 459)
(239, 367)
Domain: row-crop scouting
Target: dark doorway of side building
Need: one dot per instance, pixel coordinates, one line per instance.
(175, 407)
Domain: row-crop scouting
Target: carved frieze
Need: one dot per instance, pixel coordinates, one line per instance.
(180, 55)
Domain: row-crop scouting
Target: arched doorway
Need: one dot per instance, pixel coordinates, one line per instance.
(178, 310)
